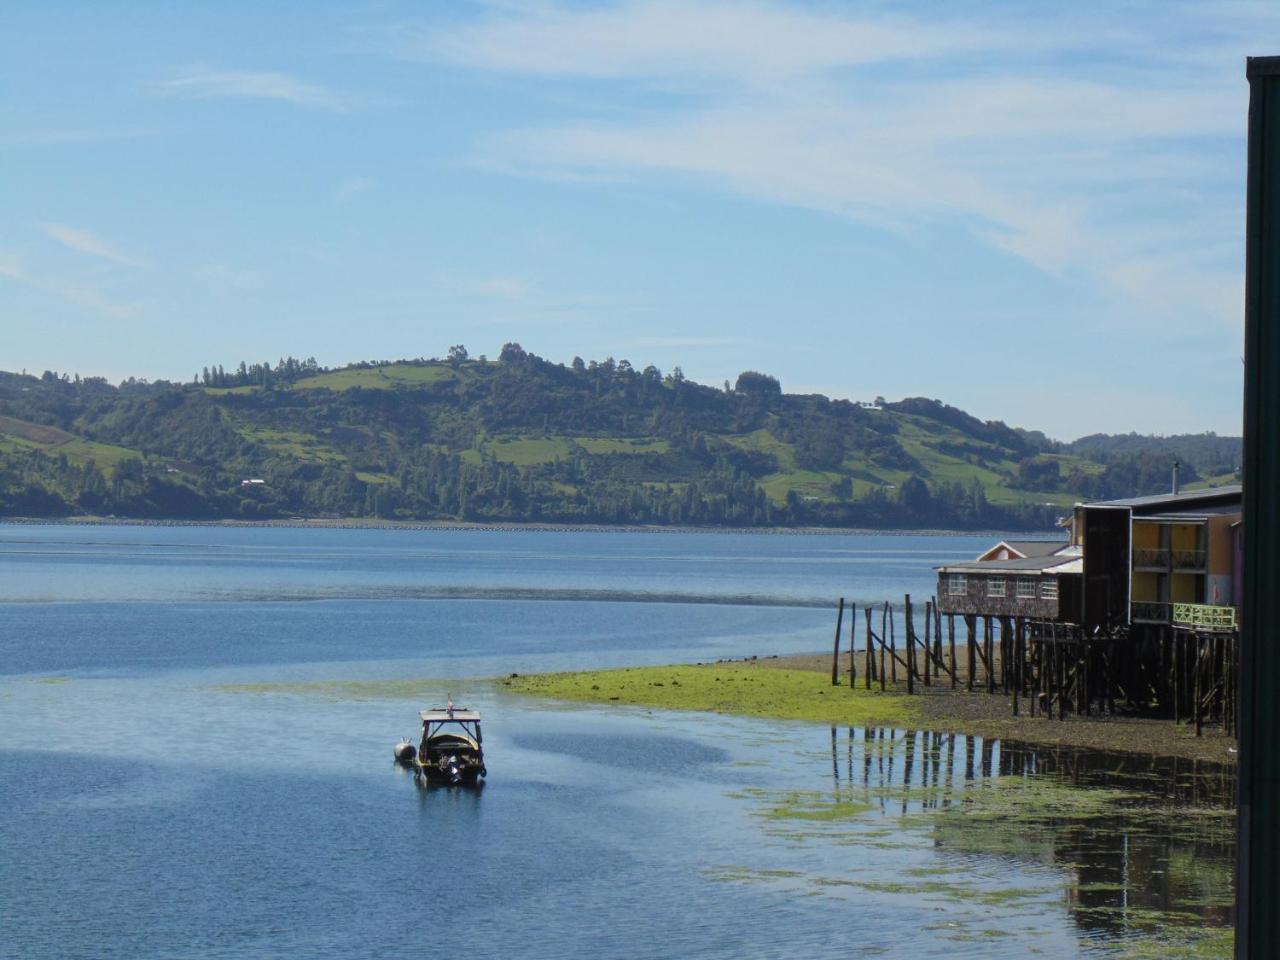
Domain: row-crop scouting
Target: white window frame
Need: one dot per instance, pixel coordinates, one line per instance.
(1025, 588)
(957, 585)
(1049, 588)
(995, 587)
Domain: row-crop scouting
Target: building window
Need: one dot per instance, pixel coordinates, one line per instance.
(1049, 589)
(957, 585)
(1026, 588)
(995, 586)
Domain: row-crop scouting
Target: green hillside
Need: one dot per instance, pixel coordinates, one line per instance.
(521, 439)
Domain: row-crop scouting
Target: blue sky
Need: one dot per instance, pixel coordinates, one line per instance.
(1031, 211)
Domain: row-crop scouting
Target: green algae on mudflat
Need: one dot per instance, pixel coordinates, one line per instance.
(733, 688)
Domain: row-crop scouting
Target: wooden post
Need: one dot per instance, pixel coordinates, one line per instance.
(989, 644)
(893, 646)
(883, 620)
(1062, 682)
(853, 631)
(1199, 685)
(937, 639)
(835, 655)
(871, 660)
(911, 644)
(1017, 662)
(1177, 677)
(971, 623)
(951, 643)
(928, 640)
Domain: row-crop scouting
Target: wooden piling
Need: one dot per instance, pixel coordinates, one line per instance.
(893, 646)
(970, 622)
(871, 659)
(853, 631)
(911, 645)
(928, 640)
(835, 654)
(951, 642)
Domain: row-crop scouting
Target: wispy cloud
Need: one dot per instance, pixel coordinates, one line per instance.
(13, 266)
(353, 187)
(661, 38)
(642, 343)
(256, 85)
(85, 241)
(1048, 138)
(509, 288)
(226, 278)
(52, 137)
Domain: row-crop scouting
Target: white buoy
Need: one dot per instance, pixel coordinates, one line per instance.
(405, 752)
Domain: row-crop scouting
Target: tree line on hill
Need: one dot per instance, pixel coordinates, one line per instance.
(679, 452)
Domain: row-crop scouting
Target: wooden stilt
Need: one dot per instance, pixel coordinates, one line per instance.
(853, 633)
(951, 643)
(835, 653)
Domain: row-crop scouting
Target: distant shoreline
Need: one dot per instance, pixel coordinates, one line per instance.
(459, 525)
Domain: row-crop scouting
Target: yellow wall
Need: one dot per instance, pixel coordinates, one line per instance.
(1221, 554)
(1145, 587)
(1185, 536)
(1182, 588)
(1146, 536)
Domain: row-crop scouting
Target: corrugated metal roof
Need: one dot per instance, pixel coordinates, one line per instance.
(1185, 498)
(1025, 565)
(1036, 548)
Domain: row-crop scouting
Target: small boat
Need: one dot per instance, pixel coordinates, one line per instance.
(451, 749)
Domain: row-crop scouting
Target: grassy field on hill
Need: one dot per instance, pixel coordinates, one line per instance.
(522, 439)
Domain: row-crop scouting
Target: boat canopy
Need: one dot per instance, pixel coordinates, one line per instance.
(441, 715)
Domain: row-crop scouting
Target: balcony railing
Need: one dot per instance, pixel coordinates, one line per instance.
(1204, 616)
(1188, 559)
(1151, 557)
(1150, 611)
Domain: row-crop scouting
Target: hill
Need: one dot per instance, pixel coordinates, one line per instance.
(520, 439)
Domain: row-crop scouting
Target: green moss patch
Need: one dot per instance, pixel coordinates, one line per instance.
(735, 688)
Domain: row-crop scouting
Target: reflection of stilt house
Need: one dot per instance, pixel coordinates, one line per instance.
(1141, 603)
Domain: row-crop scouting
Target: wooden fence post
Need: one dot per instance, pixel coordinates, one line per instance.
(835, 655)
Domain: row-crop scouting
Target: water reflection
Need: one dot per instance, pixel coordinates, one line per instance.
(1146, 845)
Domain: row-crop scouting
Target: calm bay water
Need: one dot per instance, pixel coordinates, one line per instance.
(196, 726)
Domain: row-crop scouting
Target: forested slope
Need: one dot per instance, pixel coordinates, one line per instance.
(520, 439)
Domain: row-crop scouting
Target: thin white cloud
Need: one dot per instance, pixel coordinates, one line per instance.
(904, 122)
(662, 38)
(227, 279)
(14, 267)
(353, 187)
(88, 242)
(641, 343)
(256, 85)
(510, 288)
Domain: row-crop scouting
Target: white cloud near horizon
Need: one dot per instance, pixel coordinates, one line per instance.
(255, 85)
(88, 242)
(1083, 147)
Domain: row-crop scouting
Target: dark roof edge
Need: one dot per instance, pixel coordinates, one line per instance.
(1261, 67)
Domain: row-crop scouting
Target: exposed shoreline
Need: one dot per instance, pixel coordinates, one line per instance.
(460, 525)
(781, 688)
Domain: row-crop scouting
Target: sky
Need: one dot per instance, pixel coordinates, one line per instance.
(1032, 211)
